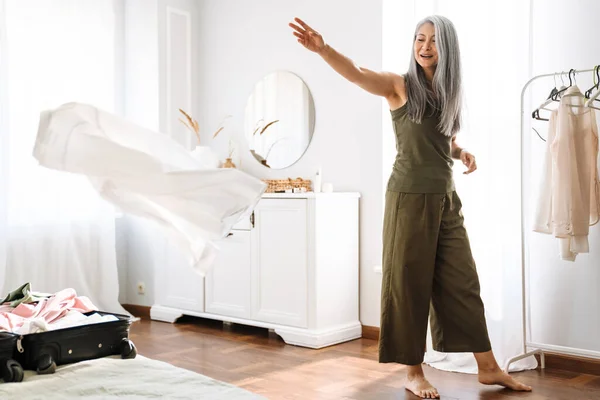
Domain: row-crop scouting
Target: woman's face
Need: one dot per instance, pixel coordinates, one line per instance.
(425, 50)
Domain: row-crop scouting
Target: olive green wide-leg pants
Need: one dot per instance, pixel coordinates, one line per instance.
(428, 266)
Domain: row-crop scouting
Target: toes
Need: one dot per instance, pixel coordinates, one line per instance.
(516, 385)
(524, 387)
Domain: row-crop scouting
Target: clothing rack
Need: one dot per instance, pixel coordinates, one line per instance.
(536, 348)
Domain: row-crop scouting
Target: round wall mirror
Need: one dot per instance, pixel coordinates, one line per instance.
(279, 120)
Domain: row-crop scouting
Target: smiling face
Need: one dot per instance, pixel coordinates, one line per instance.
(424, 46)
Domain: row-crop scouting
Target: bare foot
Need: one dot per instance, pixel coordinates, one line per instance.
(499, 377)
(416, 383)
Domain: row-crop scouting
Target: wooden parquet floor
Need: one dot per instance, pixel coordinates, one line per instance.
(259, 361)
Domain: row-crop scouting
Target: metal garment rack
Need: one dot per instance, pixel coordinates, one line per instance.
(536, 348)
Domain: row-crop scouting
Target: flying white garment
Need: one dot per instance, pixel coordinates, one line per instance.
(146, 173)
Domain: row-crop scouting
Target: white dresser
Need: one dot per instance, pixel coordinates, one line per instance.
(292, 267)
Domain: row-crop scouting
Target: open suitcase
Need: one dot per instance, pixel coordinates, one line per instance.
(10, 369)
(42, 352)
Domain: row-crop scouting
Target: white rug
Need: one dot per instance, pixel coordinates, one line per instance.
(111, 377)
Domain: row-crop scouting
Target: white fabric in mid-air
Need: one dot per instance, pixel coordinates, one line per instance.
(146, 173)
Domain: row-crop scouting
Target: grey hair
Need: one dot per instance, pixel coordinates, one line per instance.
(446, 95)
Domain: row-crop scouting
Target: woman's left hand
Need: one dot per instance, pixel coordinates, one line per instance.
(469, 160)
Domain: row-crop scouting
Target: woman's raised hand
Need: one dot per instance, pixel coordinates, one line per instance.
(307, 36)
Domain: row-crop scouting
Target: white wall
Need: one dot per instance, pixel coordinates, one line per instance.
(160, 71)
(242, 41)
(565, 296)
(4, 115)
(141, 105)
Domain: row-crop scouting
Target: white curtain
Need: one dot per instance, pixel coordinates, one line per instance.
(3, 143)
(494, 43)
(59, 233)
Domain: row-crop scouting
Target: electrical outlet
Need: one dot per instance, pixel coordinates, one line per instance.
(141, 288)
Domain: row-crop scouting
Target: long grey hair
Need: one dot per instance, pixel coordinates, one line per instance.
(446, 95)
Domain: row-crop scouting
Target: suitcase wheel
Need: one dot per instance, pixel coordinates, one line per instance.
(128, 350)
(46, 365)
(12, 371)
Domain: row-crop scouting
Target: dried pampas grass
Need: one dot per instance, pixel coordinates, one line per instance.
(264, 128)
(191, 124)
(221, 127)
(268, 125)
(217, 132)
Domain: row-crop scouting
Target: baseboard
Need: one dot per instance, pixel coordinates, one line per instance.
(138, 311)
(319, 339)
(370, 332)
(580, 365)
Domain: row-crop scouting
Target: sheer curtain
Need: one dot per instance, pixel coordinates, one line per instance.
(494, 42)
(59, 232)
(3, 143)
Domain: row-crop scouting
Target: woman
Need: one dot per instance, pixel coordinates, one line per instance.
(426, 253)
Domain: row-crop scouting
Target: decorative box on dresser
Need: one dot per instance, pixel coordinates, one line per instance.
(292, 266)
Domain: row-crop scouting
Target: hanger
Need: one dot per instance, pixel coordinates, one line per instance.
(555, 97)
(578, 94)
(594, 96)
(563, 81)
(536, 113)
(596, 82)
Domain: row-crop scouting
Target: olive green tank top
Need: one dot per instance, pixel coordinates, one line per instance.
(424, 156)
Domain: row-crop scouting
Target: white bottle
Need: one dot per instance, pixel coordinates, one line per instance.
(317, 182)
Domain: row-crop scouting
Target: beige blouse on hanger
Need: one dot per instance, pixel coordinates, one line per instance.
(569, 197)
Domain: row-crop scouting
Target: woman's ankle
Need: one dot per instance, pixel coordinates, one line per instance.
(414, 371)
(486, 362)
